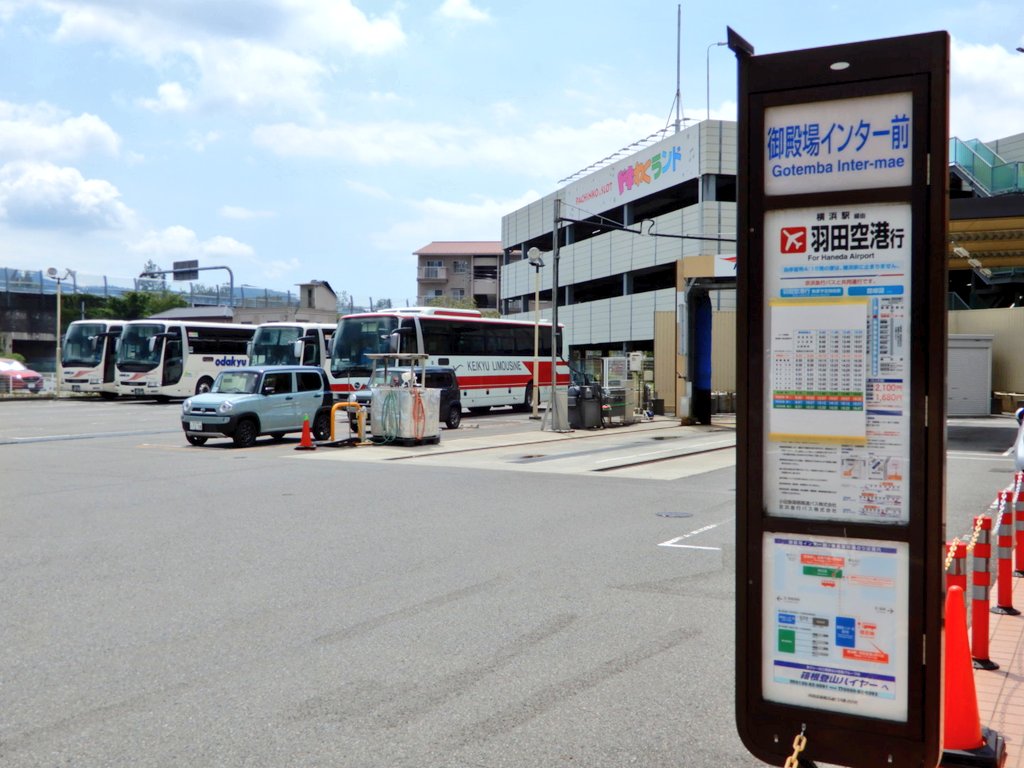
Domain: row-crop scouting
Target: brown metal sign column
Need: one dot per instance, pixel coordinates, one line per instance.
(841, 278)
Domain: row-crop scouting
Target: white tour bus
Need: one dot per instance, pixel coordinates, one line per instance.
(292, 343)
(87, 356)
(493, 358)
(177, 358)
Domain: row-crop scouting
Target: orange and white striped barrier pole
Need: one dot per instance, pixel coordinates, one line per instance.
(1004, 555)
(1018, 514)
(981, 582)
(956, 568)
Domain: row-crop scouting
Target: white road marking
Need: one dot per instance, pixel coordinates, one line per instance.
(675, 542)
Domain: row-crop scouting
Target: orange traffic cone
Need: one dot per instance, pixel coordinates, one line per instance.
(306, 444)
(964, 741)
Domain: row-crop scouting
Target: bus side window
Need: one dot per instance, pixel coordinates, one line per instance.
(435, 340)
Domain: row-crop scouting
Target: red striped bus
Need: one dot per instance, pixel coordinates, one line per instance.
(493, 358)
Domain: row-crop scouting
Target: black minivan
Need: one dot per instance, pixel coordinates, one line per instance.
(440, 377)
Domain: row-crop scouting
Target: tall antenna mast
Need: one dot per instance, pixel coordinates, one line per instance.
(679, 38)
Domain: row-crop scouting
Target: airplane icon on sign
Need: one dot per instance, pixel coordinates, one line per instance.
(793, 239)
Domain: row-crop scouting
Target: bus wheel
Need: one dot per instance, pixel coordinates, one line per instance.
(196, 439)
(527, 400)
(454, 416)
(245, 433)
(205, 385)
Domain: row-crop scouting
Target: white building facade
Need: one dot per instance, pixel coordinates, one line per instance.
(635, 235)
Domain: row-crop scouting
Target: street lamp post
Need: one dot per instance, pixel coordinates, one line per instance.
(537, 261)
(54, 274)
(557, 421)
(707, 73)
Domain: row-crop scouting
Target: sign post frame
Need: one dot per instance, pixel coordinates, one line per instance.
(843, 725)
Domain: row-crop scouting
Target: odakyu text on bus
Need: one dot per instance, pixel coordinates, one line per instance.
(177, 358)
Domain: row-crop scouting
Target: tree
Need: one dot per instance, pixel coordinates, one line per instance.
(135, 305)
(465, 303)
(157, 283)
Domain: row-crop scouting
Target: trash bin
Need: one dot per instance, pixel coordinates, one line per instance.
(588, 407)
(573, 407)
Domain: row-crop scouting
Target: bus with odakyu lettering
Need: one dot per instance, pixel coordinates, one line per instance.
(87, 356)
(288, 342)
(494, 359)
(177, 358)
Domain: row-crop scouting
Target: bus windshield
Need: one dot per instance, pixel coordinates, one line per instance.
(135, 349)
(275, 345)
(358, 337)
(84, 344)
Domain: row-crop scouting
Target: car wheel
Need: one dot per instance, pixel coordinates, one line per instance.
(196, 439)
(205, 385)
(245, 433)
(454, 416)
(277, 436)
(321, 427)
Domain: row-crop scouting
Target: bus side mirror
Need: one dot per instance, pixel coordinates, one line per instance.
(297, 346)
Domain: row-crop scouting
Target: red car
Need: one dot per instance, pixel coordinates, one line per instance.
(15, 377)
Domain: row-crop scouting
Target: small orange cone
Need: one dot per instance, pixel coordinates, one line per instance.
(306, 444)
(964, 741)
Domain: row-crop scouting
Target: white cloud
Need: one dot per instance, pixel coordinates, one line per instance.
(178, 241)
(367, 190)
(268, 55)
(221, 245)
(432, 219)
(243, 214)
(46, 196)
(279, 268)
(198, 142)
(40, 131)
(986, 91)
(548, 152)
(171, 97)
(503, 111)
(462, 10)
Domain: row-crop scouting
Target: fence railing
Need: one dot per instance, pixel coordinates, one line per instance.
(36, 281)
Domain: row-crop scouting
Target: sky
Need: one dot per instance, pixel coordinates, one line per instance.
(297, 140)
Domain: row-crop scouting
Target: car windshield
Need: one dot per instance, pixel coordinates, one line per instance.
(11, 365)
(236, 383)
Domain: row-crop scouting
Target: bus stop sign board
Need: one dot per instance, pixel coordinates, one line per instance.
(841, 280)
